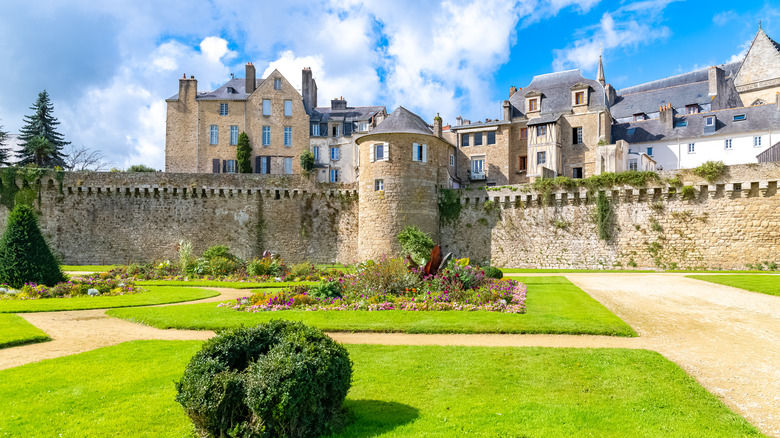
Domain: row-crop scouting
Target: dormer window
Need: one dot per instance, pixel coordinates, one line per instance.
(231, 90)
(579, 94)
(579, 98)
(533, 105)
(639, 116)
(709, 121)
(692, 109)
(681, 123)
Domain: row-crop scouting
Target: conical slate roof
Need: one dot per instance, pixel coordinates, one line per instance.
(402, 121)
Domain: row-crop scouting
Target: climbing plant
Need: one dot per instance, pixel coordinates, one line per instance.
(604, 216)
(449, 205)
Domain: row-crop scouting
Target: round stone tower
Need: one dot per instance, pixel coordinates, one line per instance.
(402, 165)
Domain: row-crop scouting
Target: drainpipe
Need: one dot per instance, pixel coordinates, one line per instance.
(679, 154)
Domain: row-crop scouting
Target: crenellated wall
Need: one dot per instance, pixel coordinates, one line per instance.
(728, 224)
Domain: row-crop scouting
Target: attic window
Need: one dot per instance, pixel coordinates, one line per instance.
(231, 90)
(277, 84)
(533, 105)
(579, 98)
(631, 131)
(639, 116)
(739, 117)
(709, 121)
(692, 109)
(681, 123)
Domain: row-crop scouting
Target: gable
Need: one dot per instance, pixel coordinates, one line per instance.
(761, 67)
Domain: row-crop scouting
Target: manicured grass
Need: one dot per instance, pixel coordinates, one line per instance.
(88, 268)
(554, 305)
(397, 391)
(226, 284)
(156, 295)
(14, 330)
(765, 284)
(567, 271)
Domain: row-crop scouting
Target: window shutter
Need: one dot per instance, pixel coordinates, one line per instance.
(224, 166)
(258, 164)
(215, 165)
(268, 165)
(386, 151)
(424, 153)
(414, 151)
(371, 152)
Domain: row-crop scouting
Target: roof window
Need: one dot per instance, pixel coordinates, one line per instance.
(739, 117)
(681, 123)
(709, 121)
(631, 131)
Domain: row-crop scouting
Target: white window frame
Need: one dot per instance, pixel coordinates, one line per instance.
(335, 153)
(756, 141)
(379, 185)
(288, 108)
(337, 132)
(452, 160)
(633, 164)
(266, 107)
(266, 136)
(277, 84)
(420, 152)
(709, 121)
(213, 134)
(288, 166)
(316, 152)
(334, 175)
(691, 148)
(543, 156)
(477, 165)
(728, 144)
(223, 109)
(374, 152)
(233, 135)
(363, 126)
(315, 129)
(288, 136)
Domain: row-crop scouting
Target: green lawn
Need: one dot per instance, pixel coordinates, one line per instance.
(88, 268)
(397, 391)
(765, 284)
(226, 284)
(554, 305)
(156, 295)
(15, 330)
(568, 271)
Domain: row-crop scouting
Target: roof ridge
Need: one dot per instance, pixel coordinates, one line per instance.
(659, 89)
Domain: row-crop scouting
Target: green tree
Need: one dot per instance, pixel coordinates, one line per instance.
(42, 123)
(243, 154)
(416, 243)
(141, 168)
(25, 257)
(307, 161)
(39, 149)
(3, 151)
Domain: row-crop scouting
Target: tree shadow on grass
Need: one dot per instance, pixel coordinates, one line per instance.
(374, 417)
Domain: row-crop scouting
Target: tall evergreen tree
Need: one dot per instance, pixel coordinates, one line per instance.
(243, 154)
(3, 151)
(25, 257)
(42, 123)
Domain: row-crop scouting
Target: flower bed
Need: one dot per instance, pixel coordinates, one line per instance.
(76, 287)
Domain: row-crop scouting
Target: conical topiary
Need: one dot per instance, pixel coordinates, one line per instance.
(25, 256)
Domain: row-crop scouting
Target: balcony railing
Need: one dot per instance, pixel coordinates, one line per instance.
(477, 176)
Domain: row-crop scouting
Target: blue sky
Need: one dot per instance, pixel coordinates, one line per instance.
(109, 65)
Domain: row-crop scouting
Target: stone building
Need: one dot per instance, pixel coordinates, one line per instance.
(404, 163)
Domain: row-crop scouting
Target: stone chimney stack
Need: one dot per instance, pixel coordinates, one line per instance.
(437, 126)
(338, 104)
(188, 88)
(507, 111)
(777, 100)
(458, 121)
(308, 90)
(251, 78)
(667, 116)
(512, 90)
(611, 94)
(716, 78)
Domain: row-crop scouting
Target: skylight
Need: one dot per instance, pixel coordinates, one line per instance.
(631, 131)
(739, 117)
(681, 123)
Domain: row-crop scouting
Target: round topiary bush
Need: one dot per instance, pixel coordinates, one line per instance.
(25, 257)
(280, 379)
(493, 272)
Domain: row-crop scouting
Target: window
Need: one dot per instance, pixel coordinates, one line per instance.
(420, 152)
(315, 129)
(631, 131)
(452, 160)
(379, 185)
(347, 129)
(266, 135)
(691, 148)
(334, 175)
(230, 166)
(533, 105)
(288, 108)
(541, 158)
(727, 144)
(223, 110)
(639, 116)
(541, 130)
(477, 166)
(288, 135)
(213, 134)
(692, 109)
(523, 165)
(316, 151)
(477, 139)
(334, 154)
(681, 123)
(378, 152)
(363, 126)
(579, 98)
(335, 130)
(576, 135)
(650, 152)
(739, 117)
(491, 138)
(266, 107)
(757, 141)
(234, 135)
(709, 121)
(632, 164)
(288, 166)
(277, 84)
(465, 141)
(523, 133)
(576, 172)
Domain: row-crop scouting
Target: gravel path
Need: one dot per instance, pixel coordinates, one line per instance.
(726, 338)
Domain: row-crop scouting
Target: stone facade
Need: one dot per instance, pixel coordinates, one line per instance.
(758, 79)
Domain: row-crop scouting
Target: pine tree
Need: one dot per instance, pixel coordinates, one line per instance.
(25, 257)
(42, 123)
(3, 151)
(243, 154)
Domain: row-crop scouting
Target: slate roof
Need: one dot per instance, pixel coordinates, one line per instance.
(402, 121)
(556, 93)
(350, 114)
(759, 118)
(685, 89)
(237, 84)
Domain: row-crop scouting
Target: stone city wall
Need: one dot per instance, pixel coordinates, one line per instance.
(728, 224)
(104, 218)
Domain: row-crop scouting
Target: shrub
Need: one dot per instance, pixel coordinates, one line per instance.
(710, 170)
(280, 379)
(218, 251)
(25, 257)
(327, 289)
(140, 168)
(307, 161)
(493, 272)
(688, 193)
(302, 270)
(185, 256)
(222, 266)
(604, 216)
(265, 266)
(244, 154)
(416, 243)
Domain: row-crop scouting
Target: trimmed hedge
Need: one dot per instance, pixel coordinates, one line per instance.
(25, 257)
(280, 379)
(493, 272)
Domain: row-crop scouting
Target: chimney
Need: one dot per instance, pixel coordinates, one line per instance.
(666, 116)
(507, 111)
(777, 100)
(611, 94)
(717, 87)
(512, 90)
(338, 104)
(308, 90)
(437, 126)
(251, 78)
(458, 121)
(188, 88)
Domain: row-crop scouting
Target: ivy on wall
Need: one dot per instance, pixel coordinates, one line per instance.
(11, 194)
(449, 205)
(604, 220)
